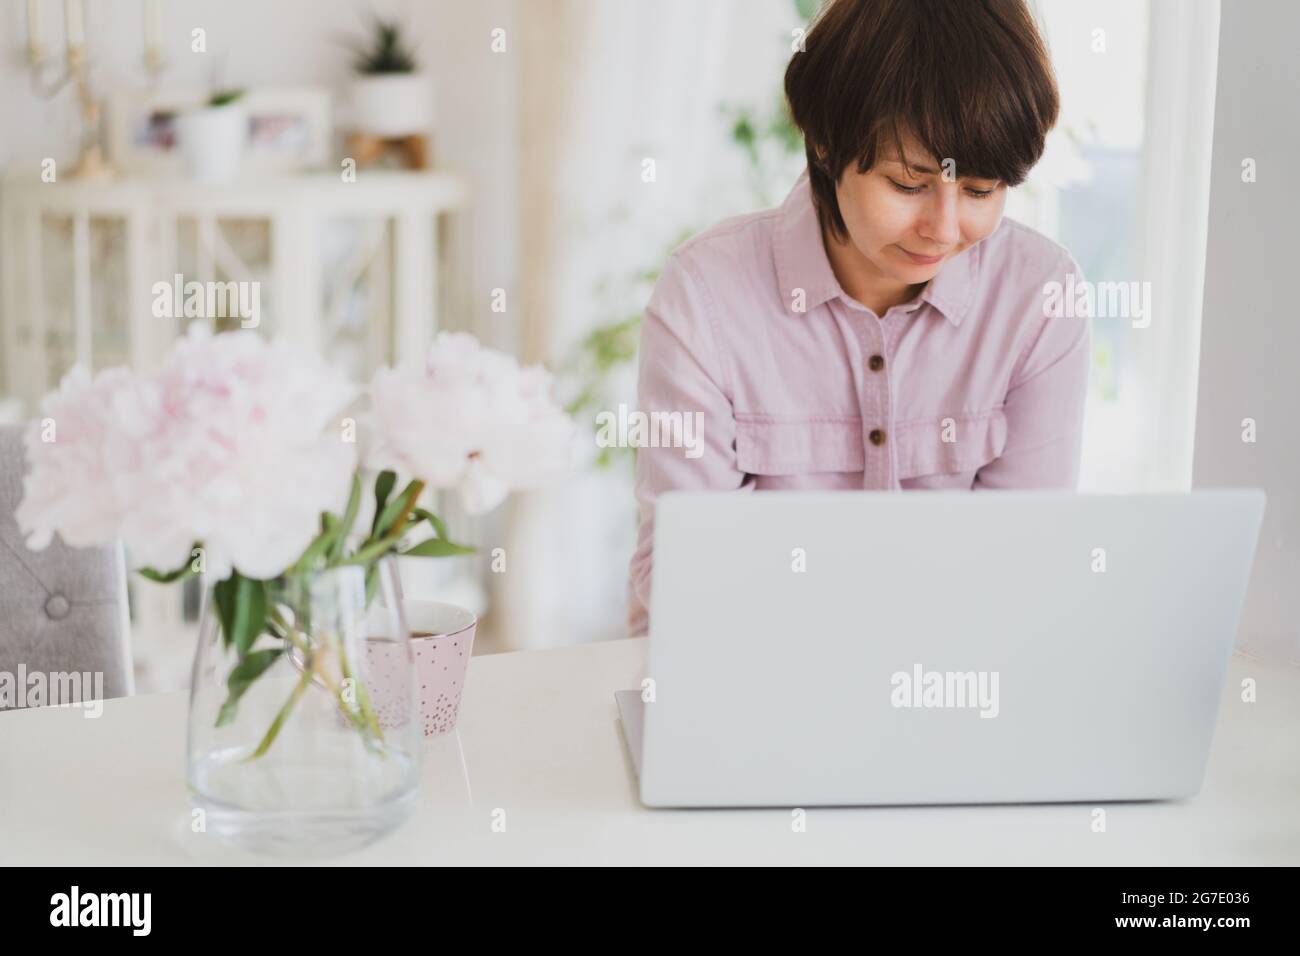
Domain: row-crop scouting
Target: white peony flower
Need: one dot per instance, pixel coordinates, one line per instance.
(470, 418)
(235, 443)
(73, 483)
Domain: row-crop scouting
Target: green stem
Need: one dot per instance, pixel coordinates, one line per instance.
(274, 730)
(366, 720)
(371, 551)
(363, 699)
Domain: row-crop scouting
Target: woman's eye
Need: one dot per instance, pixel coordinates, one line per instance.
(906, 189)
(913, 190)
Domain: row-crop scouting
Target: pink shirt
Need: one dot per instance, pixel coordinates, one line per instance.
(968, 386)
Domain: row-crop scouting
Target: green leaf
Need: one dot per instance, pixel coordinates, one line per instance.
(584, 398)
(437, 548)
(383, 488)
(394, 508)
(242, 677)
(349, 519)
(439, 528)
(440, 547)
(241, 603)
(224, 97)
(184, 571)
(250, 614)
(742, 131)
(224, 596)
(388, 51)
(783, 130)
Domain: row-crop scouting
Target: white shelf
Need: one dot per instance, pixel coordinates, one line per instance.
(374, 193)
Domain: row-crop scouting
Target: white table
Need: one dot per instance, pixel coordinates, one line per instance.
(539, 739)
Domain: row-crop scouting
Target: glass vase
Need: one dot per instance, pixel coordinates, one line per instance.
(318, 753)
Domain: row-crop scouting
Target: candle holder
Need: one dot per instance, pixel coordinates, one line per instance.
(49, 78)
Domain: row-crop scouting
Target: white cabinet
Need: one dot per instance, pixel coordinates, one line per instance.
(350, 268)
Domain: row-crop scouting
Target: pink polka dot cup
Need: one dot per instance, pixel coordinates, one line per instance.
(442, 638)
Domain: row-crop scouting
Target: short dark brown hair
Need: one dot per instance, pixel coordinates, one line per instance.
(970, 79)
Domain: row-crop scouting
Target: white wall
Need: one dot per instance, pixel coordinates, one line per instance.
(294, 42)
(1250, 330)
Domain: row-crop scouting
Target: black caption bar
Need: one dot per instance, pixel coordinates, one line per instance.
(298, 905)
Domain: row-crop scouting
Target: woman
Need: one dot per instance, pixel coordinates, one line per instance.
(884, 328)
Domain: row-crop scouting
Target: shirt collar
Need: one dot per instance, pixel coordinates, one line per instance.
(802, 263)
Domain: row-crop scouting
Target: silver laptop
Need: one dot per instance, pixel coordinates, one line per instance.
(840, 648)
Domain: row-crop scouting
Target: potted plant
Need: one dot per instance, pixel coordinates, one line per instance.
(212, 137)
(390, 97)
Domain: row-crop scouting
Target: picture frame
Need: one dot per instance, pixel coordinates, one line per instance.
(289, 129)
(142, 129)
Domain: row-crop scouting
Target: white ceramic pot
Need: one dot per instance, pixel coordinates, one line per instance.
(212, 142)
(392, 104)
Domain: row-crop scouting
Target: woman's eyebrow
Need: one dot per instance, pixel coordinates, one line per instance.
(919, 167)
(930, 170)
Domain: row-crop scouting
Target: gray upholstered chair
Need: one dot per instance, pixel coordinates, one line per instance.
(62, 610)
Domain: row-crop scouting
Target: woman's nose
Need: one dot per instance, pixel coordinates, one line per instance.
(941, 224)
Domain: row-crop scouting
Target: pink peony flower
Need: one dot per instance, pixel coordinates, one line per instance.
(235, 443)
(470, 418)
(75, 464)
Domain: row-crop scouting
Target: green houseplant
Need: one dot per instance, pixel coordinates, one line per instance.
(390, 96)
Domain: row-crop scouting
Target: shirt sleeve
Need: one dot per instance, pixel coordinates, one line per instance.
(1045, 404)
(680, 369)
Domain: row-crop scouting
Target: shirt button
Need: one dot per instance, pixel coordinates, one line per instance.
(877, 436)
(876, 363)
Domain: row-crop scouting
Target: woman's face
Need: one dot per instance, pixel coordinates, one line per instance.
(905, 226)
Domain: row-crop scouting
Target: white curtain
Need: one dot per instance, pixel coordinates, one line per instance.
(1174, 206)
(603, 87)
(1160, 76)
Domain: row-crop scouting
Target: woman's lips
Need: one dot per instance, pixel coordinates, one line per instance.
(921, 260)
